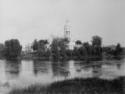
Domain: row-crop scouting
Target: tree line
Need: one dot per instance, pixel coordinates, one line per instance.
(58, 49)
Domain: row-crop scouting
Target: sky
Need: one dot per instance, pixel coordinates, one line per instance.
(27, 20)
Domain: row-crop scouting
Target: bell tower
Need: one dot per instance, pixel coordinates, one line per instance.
(67, 30)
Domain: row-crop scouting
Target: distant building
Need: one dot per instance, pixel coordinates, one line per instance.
(71, 45)
(67, 30)
(28, 49)
(67, 35)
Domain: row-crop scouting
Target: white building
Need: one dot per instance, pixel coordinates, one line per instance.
(67, 34)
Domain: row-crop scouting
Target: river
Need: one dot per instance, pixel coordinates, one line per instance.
(21, 74)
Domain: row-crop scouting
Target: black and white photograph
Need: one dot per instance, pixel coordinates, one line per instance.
(62, 46)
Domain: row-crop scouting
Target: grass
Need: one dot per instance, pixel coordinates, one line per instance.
(77, 86)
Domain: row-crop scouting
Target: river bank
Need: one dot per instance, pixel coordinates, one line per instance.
(77, 86)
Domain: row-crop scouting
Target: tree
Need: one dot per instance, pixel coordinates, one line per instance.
(35, 45)
(118, 50)
(40, 48)
(96, 46)
(96, 41)
(59, 47)
(42, 45)
(78, 42)
(1, 50)
(55, 49)
(12, 49)
(87, 47)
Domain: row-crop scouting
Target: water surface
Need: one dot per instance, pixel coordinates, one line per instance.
(20, 74)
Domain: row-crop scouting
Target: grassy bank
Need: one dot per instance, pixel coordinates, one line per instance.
(77, 86)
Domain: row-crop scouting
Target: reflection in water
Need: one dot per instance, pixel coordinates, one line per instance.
(96, 70)
(2, 72)
(118, 66)
(27, 69)
(60, 69)
(41, 67)
(123, 85)
(27, 72)
(12, 69)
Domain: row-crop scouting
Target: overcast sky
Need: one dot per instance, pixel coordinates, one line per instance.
(30, 19)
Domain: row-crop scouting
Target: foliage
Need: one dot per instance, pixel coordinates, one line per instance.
(35, 45)
(12, 49)
(97, 46)
(96, 41)
(114, 51)
(81, 51)
(118, 50)
(1, 50)
(78, 42)
(40, 47)
(88, 51)
(59, 47)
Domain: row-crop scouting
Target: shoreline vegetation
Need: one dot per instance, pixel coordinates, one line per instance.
(71, 58)
(77, 86)
(59, 49)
